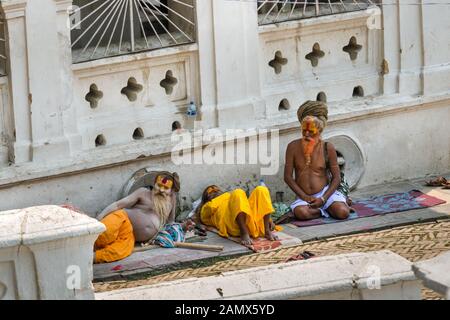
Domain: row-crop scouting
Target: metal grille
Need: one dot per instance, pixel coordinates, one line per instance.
(273, 11)
(103, 28)
(3, 49)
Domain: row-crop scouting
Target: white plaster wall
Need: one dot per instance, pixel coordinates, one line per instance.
(404, 145)
(93, 191)
(5, 125)
(336, 74)
(412, 147)
(45, 69)
(437, 46)
(18, 75)
(227, 74)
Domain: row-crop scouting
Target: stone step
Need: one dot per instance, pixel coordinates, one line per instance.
(374, 275)
(435, 273)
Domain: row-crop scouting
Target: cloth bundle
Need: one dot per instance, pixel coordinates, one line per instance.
(280, 210)
(171, 233)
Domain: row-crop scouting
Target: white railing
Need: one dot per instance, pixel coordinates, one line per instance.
(3, 49)
(103, 28)
(273, 11)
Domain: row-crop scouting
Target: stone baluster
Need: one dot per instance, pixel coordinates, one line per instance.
(46, 253)
(41, 80)
(19, 86)
(236, 65)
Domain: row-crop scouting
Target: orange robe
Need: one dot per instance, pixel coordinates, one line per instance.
(222, 211)
(117, 242)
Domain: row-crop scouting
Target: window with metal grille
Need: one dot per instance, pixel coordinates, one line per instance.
(273, 11)
(104, 28)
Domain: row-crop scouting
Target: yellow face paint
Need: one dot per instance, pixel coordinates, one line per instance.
(309, 125)
(164, 182)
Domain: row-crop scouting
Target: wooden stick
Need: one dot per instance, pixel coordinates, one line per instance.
(185, 245)
(197, 246)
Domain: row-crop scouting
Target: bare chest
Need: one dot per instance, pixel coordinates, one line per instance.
(317, 160)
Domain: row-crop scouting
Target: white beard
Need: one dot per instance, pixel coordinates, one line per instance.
(162, 203)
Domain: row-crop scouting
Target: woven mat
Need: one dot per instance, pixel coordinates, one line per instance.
(415, 242)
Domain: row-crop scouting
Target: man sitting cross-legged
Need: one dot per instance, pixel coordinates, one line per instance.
(137, 217)
(233, 214)
(306, 158)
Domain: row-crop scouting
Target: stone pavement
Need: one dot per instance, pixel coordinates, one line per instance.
(159, 258)
(162, 258)
(417, 242)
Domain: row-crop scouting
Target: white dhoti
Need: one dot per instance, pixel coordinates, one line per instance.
(335, 197)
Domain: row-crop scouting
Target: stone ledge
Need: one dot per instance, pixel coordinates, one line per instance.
(318, 276)
(117, 155)
(312, 24)
(42, 224)
(88, 66)
(46, 253)
(435, 273)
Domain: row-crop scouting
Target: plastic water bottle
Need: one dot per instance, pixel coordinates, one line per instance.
(261, 183)
(192, 109)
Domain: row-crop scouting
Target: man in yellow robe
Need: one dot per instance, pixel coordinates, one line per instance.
(233, 214)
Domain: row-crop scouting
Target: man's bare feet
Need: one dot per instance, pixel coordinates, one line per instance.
(271, 236)
(245, 239)
(272, 225)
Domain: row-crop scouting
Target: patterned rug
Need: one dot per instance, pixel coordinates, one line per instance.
(262, 244)
(379, 205)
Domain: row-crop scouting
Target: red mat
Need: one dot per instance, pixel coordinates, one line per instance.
(264, 245)
(380, 205)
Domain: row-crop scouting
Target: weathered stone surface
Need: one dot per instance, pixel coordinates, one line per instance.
(435, 273)
(374, 275)
(46, 252)
(160, 258)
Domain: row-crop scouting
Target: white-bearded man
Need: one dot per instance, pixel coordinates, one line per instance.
(306, 157)
(138, 217)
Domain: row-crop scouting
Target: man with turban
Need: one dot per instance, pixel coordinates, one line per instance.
(306, 157)
(137, 217)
